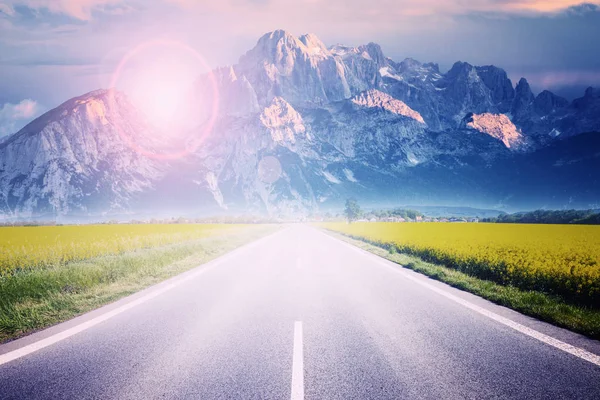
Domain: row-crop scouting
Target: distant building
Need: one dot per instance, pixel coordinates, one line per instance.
(458, 220)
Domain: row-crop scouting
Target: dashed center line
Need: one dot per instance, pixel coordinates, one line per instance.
(298, 364)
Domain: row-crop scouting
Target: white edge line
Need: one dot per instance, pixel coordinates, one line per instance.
(298, 364)
(43, 343)
(576, 351)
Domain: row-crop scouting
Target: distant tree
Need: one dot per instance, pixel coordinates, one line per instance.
(352, 210)
(412, 214)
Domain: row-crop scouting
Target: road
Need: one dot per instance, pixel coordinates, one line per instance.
(298, 314)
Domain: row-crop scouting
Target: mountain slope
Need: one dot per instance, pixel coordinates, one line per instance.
(74, 160)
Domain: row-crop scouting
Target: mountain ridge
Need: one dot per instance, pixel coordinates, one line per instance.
(339, 121)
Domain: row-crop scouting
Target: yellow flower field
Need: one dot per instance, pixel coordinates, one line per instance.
(556, 259)
(43, 246)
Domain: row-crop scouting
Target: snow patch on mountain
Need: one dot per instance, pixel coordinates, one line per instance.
(498, 126)
(331, 178)
(213, 185)
(283, 121)
(386, 72)
(349, 175)
(377, 99)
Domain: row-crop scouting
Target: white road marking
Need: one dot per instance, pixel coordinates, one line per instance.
(298, 364)
(298, 263)
(23, 351)
(576, 351)
(33, 347)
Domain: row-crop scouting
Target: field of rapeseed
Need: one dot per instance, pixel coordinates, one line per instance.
(25, 248)
(561, 260)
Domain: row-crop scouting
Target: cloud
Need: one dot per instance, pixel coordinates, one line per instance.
(545, 6)
(78, 9)
(14, 116)
(6, 9)
(403, 7)
(557, 79)
(357, 17)
(84, 9)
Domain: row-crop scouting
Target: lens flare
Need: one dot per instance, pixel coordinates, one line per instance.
(269, 169)
(160, 89)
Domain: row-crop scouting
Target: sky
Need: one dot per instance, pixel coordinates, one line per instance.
(53, 50)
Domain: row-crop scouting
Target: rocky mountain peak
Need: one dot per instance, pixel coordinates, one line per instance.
(276, 52)
(500, 86)
(590, 101)
(314, 45)
(275, 38)
(87, 154)
(341, 50)
(409, 64)
(93, 107)
(459, 68)
(591, 96)
(547, 102)
(306, 73)
(375, 53)
(435, 67)
(523, 88)
(281, 48)
(522, 103)
(588, 109)
(592, 92)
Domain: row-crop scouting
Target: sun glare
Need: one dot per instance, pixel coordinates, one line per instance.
(157, 77)
(159, 90)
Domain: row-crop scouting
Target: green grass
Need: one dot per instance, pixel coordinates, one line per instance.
(545, 307)
(35, 299)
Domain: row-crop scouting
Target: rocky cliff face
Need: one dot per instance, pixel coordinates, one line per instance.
(302, 70)
(296, 126)
(307, 74)
(75, 159)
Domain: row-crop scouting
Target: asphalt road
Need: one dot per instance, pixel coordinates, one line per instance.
(298, 314)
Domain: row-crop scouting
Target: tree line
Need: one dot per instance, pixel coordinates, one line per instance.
(353, 212)
(584, 217)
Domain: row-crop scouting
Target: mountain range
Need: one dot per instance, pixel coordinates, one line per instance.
(297, 127)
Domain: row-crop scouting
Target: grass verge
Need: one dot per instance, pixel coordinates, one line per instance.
(545, 307)
(35, 299)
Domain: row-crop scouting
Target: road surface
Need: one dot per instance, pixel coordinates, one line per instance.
(300, 314)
